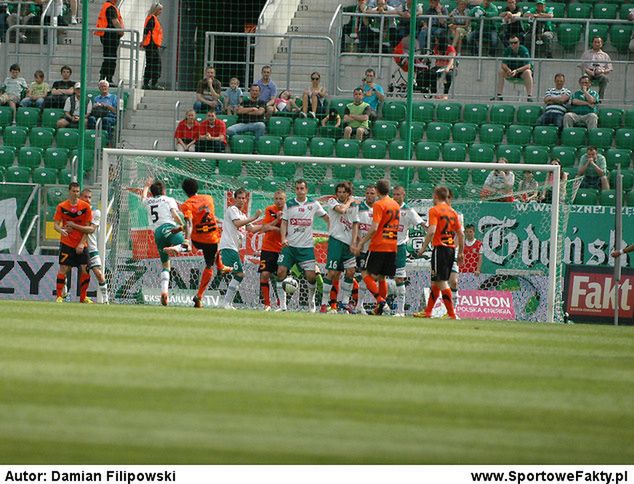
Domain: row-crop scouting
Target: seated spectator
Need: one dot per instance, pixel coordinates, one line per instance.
(556, 100)
(486, 15)
(594, 170)
(331, 124)
(208, 92)
(232, 96)
(597, 65)
(37, 92)
(547, 192)
(459, 26)
(512, 25)
(373, 93)
(515, 65)
(212, 135)
(437, 27)
(544, 34)
(314, 98)
(13, 88)
(61, 90)
(441, 71)
(187, 132)
(104, 106)
(268, 88)
(498, 186)
(404, 14)
(583, 108)
(357, 117)
(529, 188)
(284, 103)
(71, 110)
(251, 114)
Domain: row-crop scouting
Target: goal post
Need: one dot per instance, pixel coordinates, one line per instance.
(509, 262)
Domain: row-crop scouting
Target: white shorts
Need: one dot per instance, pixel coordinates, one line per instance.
(93, 260)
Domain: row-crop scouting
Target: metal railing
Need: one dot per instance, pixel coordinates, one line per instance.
(34, 192)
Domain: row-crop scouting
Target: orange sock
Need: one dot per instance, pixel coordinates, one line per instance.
(431, 302)
(84, 280)
(370, 283)
(204, 281)
(219, 265)
(355, 291)
(383, 288)
(446, 299)
(334, 290)
(60, 283)
(265, 291)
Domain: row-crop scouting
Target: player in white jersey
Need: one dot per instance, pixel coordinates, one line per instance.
(234, 231)
(408, 218)
(168, 228)
(365, 224)
(298, 247)
(94, 261)
(343, 212)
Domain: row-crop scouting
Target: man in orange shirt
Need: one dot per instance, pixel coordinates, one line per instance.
(381, 262)
(444, 228)
(72, 249)
(271, 246)
(201, 231)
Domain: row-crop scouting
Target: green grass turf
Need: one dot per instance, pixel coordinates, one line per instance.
(121, 384)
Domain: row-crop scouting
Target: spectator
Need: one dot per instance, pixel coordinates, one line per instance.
(232, 96)
(512, 25)
(331, 124)
(61, 90)
(556, 100)
(284, 103)
(382, 22)
(498, 186)
(71, 110)
(251, 114)
(13, 88)
(597, 65)
(109, 18)
(104, 106)
(544, 34)
(594, 170)
(208, 92)
(458, 25)
(441, 71)
(373, 93)
(37, 92)
(268, 89)
(314, 98)
(437, 27)
(73, 11)
(361, 27)
(357, 117)
(404, 14)
(515, 66)
(28, 15)
(529, 188)
(584, 106)
(152, 42)
(486, 14)
(187, 132)
(212, 135)
(547, 192)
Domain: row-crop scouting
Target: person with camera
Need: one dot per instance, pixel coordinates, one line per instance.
(373, 93)
(583, 109)
(597, 64)
(498, 186)
(104, 106)
(71, 110)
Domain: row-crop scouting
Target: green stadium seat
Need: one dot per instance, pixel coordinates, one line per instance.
(573, 137)
(579, 10)
(620, 36)
(491, 133)
(331, 132)
(454, 151)
(625, 138)
(229, 119)
(478, 177)
(600, 137)
(269, 145)
(536, 155)
(315, 172)
(360, 186)
(343, 171)
(340, 105)
(628, 180)
(438, 132)
(471, 191)
(427, 151)
(502, 114)
(423, 112)
(464, 132)
(45, 176)
(618, 156)
(51, 116)
(272, 184)
(430, 176)
(402, 174)
(17, 174)
(249, 183)
(607, 198)
(15, 136)
(30, 156)
(347, 148)
(242, 144)
(417, 128)
(605, 11)
(528, 114)
(374, 148)
(475, 113)
(7, 155)
(568, 36)
(91, 138)
(567, 155)
(455, 190)
(420, 190)
(27, 117)
(279, 126)
(598, 30)
(586, 196)
(624, 10)
(322, 147)
(258, 168)
(328, 187)
(41, 137)
(284, 169)
(230, 168)
(394, 111)
(610, 118)
(65, 176)
(398, 150)
(373, 172)
(628, 119)
(519, 135)
(449, 112)
(55, 196)
(295, 146)
(513, 153)
(559, 9)
(6, 116)
(306, 127)
(545, 135)
(89, 158)
(385, 130)
(67, 138)
(481, 153)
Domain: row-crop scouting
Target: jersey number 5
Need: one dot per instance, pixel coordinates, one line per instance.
(155, 215)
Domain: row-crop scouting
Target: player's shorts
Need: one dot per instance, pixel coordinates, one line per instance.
(268, 261)
(381, 263)
(164, 237)
(304, 257)
(231, 258)
(442, 258)
(401, 260)
(93, 260)
(339, 256)
(362, 259)
(68, 256)
(209, 252)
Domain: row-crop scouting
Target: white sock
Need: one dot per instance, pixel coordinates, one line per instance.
(165, 281)
(400, 298)
(346, 289)
(231, 291)
(325, 295)
(282, 294)
(454, 297)
(311, 295)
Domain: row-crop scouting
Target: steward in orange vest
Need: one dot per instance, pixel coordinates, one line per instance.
(152, 42)
(109, 18)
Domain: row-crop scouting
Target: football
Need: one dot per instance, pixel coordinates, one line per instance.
(290, 285)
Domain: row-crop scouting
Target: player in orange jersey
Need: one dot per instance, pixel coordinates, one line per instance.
(72, 248)
(201, 231)
(381, 261)
(271, 246)
(444, 228)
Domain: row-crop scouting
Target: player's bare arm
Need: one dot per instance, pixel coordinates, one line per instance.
(428, 238)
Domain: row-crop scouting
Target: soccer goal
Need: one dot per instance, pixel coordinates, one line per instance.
(520, 276)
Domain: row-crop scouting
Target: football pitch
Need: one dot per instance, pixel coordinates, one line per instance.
(131, 384)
